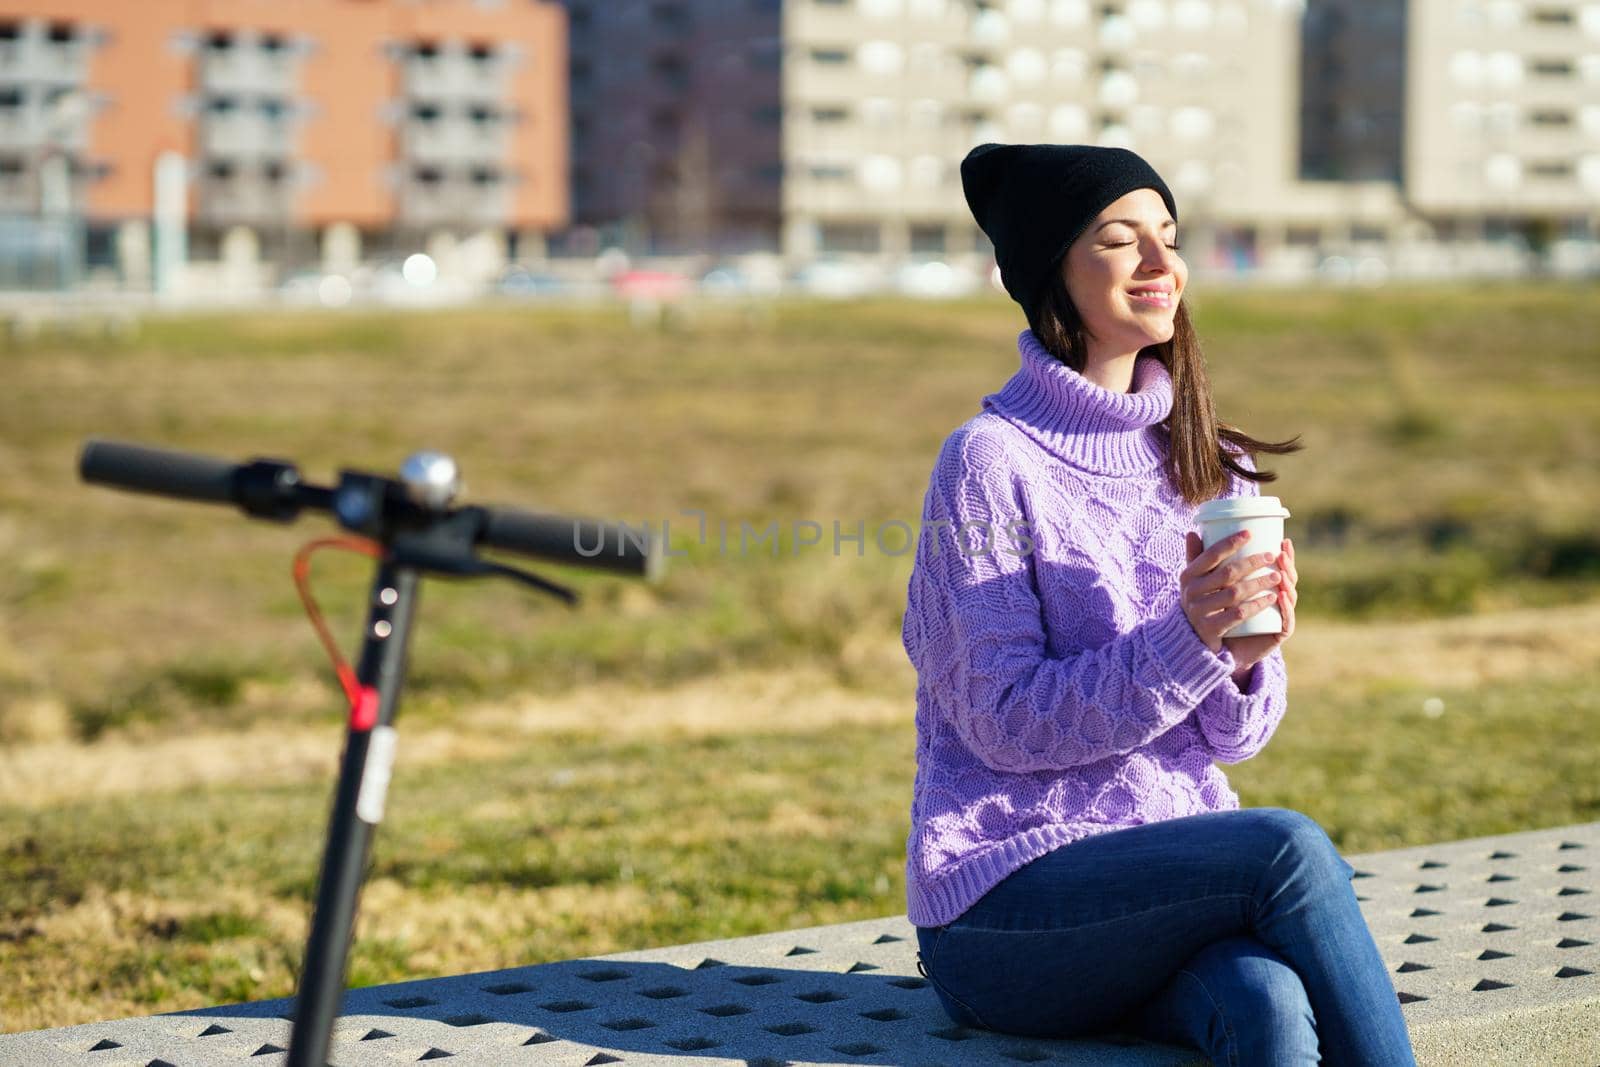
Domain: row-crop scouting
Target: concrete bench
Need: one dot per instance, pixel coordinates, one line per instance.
(1493, 945)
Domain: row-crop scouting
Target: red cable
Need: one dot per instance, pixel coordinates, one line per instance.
(363, 699)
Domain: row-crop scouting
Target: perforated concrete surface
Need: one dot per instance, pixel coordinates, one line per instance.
(1493, 945)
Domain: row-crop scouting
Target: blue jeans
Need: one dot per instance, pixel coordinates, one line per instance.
(1236, 933)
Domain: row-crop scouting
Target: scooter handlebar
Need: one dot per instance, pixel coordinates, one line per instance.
(161, 471)
(272, 489)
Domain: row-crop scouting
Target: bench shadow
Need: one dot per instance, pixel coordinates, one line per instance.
(617, 1010)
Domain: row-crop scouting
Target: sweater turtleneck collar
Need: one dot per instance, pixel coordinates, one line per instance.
(1097, 429)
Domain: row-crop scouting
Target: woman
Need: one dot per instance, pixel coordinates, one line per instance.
(1077, 862)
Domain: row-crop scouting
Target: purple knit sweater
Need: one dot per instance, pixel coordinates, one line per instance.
(1061, 691)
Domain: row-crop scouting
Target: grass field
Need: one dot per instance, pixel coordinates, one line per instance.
(730, 751)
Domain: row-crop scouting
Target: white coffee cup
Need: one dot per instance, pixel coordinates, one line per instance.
(1262, 517)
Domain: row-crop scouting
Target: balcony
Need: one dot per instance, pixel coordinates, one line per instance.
(228, 194)
(455, 198)
(445, 139)
(57, 55)
(240, 68)
(248, 134)
(451, 76)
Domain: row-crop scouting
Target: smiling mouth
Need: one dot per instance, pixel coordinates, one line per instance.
(1153, 298)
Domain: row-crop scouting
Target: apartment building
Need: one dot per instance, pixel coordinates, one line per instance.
(1287, 128)
(677, 120)
(303, 130)
(1503, 113)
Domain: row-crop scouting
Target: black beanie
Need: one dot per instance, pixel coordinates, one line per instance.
(1033, 200)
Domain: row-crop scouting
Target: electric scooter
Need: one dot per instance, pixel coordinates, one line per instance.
(411, 528)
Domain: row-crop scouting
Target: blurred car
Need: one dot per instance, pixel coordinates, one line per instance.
(650, 285)
(518, 281)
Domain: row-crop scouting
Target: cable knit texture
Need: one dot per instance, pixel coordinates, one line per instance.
(1061, 690)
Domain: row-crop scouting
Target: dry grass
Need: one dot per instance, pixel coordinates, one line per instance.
(1457, 653)
(731, 751)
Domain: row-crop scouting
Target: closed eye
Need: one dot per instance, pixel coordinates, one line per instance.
(1125, 244)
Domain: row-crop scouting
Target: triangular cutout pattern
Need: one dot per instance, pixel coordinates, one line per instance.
(213, 1030)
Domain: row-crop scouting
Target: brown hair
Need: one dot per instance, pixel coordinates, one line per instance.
(1197, 462)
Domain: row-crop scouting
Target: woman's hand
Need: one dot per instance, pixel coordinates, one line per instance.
(1215, 596)
(1248, 651)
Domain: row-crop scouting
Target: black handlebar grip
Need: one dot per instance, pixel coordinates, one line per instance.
(589, 543)
(157, 470)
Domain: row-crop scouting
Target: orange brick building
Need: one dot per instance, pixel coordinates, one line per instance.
(386, 120)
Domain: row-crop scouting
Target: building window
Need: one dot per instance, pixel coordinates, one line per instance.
(485, 176)
(276, 172)
(61, 33)
(429, 176)
(425, 112)
(671, 69)
(1558, 169)
(1550, 117)
(824, 116)
(765, 55)
(830, 172)
(220, 170)
(1552, 16)
(1552, 68)
(671, 15)
(927, 239)
(274, 45)
(849, 237)
(830, 57)
(427, 51)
